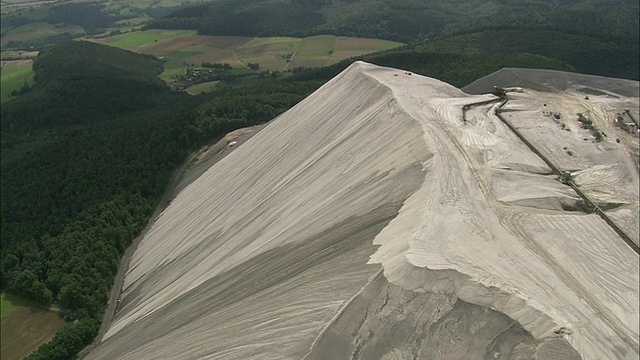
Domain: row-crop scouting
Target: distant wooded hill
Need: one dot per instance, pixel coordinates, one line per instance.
(403, 20)
(591, 36)
(80, 82)
(581, 54)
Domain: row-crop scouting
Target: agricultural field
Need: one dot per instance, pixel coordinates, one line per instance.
(8, 305)
(270, 53)
(13, 76)
(201, 88)
(24, 327)
(141, 38)
(182, 48)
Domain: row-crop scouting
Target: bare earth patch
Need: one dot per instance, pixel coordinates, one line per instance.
(25, 330)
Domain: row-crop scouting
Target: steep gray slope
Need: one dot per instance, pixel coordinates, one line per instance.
(274, 239)
(369, 222)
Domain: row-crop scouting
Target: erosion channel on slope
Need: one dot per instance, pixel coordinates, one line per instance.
(370, 221)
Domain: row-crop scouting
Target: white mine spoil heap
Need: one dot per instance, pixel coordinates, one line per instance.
(371, 222)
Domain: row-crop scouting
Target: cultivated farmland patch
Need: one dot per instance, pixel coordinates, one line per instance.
(140, 38)
(15, 74)
(181, 49)
(317, 46)
(29, 327)
(348, 47)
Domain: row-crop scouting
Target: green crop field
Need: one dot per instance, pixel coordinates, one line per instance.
(183, 54)
(386, 44)
(268, 52)
(141, 38)
(204, 87)
(8, 305)
(319, 47)
(13, 76)
(271, 53)
(173, 68)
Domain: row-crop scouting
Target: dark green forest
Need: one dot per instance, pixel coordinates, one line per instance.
(585, 54)
(82, 172)
(403, 20)
(88, 150)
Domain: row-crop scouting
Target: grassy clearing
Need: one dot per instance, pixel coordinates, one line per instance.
(386, 44)
(173, 68)
(212, 55)
(183, 54)
(317, 47)
(257, 50)
(16, 55)
(9, 304)
(270, 53)
(13, 76)
(201, 88)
